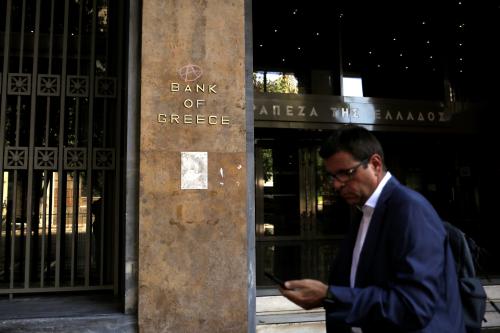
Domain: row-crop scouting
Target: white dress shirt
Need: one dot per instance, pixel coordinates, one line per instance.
(360, 240)
(367, 209)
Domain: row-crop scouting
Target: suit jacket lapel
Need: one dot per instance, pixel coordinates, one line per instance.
(373, 234)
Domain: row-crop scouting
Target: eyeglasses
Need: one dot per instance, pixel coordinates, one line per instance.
(347, 174)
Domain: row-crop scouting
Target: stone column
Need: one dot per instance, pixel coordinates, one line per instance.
(193, 172)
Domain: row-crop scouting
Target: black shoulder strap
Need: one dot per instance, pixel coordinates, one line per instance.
(461, 251)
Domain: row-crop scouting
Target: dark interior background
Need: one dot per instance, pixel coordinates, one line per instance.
(442, 51)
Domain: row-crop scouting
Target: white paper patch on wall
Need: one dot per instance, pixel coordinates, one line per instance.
(194, 170)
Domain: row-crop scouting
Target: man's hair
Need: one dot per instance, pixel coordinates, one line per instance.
(357, 141)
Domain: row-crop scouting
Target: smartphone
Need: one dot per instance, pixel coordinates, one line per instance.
(277, 280)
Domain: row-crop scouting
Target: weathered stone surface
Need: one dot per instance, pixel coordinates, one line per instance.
(193, 243)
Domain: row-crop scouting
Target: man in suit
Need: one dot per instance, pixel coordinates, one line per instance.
(395, 271)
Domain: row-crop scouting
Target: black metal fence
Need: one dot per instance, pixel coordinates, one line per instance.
(60, 143)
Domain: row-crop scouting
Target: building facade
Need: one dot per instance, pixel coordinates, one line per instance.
(158, 156)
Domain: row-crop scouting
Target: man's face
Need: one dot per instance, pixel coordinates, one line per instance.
(354, 180)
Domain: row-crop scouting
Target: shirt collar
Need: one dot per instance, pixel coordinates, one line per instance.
(372, 200)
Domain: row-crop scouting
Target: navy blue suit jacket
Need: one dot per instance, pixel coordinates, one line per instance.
(406, 280)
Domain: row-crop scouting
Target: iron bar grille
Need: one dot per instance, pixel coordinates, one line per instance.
(61, 137)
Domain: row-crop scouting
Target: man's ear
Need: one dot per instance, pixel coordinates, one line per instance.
(376, 161)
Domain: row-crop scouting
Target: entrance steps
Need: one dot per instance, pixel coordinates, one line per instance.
(116, 323)
(275, 314)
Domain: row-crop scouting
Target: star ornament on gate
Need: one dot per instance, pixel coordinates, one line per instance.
(190, 73)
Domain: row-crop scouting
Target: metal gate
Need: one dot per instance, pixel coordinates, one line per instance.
(60, 144)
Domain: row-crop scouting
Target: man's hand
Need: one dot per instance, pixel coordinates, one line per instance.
(306, 293)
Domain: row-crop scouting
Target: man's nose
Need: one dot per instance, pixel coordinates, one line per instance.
(337, 184)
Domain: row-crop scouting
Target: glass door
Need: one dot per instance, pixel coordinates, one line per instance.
(299, 220)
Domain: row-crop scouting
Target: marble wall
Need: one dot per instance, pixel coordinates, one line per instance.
(193, 221)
